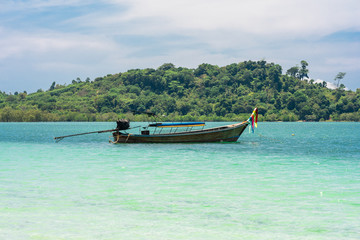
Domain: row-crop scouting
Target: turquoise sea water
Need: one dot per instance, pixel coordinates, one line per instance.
(286, 181)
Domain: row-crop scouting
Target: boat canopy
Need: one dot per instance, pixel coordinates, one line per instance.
(183, 124)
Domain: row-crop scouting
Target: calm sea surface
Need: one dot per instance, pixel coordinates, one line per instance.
(286, 181)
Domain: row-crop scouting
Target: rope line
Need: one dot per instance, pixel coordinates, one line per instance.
(117, 139)
(127, 138)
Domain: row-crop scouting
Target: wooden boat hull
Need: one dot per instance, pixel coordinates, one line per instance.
(228, 133)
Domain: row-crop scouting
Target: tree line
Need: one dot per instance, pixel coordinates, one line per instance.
(207, 93)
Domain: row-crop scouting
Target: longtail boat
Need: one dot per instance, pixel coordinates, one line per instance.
(153, 133)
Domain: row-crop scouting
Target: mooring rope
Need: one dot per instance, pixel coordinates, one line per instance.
(127, 138)
(117, 139)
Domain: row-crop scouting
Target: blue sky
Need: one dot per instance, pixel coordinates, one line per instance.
(42, 41)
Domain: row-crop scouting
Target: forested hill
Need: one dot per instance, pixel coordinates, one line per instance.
(208, 93)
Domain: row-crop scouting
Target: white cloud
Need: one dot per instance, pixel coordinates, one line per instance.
(18, 44)
(329, 85)
(30, 61)
(296, 18)
(246, 26)
(125, 34)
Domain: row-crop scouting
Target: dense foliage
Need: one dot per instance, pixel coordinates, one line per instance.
(208, 92)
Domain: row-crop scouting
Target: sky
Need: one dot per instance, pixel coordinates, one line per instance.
(42, 41)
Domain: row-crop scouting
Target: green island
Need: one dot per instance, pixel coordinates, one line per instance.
(207, 93)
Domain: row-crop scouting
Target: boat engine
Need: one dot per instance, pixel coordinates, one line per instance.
(122, 124)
